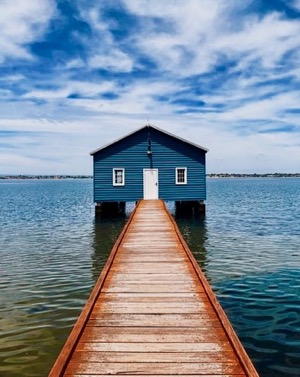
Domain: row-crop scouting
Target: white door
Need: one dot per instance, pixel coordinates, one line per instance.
(150, 184)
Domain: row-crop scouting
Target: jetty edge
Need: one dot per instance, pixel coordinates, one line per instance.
(152, 311)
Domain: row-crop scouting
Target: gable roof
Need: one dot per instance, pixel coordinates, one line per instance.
(149, 126)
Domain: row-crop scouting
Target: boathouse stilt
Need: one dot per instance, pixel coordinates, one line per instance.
(190, 208)
(110, 209)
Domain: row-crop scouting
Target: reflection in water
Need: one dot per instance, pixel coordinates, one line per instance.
(106, 231)
(193, 230)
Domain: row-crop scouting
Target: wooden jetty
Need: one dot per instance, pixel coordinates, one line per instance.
(152, 311)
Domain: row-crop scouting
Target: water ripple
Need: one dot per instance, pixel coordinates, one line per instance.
(266, 316)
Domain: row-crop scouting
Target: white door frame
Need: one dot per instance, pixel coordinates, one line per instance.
(150, 184)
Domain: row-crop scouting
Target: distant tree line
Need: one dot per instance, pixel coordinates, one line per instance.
(254, 175)
(21, 176)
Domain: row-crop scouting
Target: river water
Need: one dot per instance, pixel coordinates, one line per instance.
(52, 252)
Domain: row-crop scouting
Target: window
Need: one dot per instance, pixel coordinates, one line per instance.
(118, 177)
(181, 176)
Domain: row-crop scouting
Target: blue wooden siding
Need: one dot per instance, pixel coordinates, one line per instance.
(168, 153)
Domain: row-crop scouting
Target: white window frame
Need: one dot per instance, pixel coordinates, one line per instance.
(114, 177)
(185, 176)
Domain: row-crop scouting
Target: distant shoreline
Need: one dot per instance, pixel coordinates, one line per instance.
(55, 177)
(211, 175)
(241, 175)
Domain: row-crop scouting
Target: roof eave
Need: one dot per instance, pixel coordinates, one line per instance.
(115, 141)
(180, 138)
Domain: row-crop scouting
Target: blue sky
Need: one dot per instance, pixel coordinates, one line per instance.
(78, 74)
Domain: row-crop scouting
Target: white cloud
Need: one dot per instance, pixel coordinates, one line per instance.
(191, 23)
(115, 60)
(22, 22)
(296, 4)
(137, 98)
(5, 93)
(12, 78)
(74, 63)
(103, 51)
(80, 88)
(268, 109)
(266, 39)
(202, 33)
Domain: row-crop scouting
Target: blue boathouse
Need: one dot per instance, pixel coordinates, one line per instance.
(149, 163)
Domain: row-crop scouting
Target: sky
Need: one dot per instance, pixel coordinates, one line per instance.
(78, 74)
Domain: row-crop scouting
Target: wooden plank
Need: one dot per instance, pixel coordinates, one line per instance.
(153, 297)
(164, 284)
(152, 320)
(163, 347)
(150, 279)
(138, 275)
(154, 357)
(160, 270)
(147, 288)
(151, 335)
(142, 268)
(134, 250)
(157, 375)
(157, 257)
(149, 296)
(153, 307)
(156, 368)
(184, 283)
(177, 278)
(156, 246)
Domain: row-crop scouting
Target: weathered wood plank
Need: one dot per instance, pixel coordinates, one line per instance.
(154, 357)
(157, 375)
(149, 296)
(150, 259)
(151, 288)
(156, 368)
(152, 320)
(153, 297)
(158, 250)
(151, 335)
(184, 283)
(148, 277)
(153, 307)
(142, 278)
(139, 268)
(219, 346)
